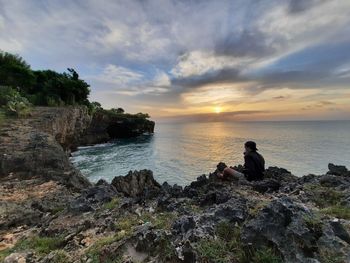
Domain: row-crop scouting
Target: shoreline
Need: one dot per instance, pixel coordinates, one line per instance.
(51, 213)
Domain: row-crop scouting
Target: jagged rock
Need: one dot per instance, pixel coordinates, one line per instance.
(214, 197)
(95, 195)
(331, 180)
(235, 210)
(183, 224)
(338, 170)
(282, 225)
(201, 181)
(279, 174)
(340, 231)
(172, 190)
(266, 185)
(137, 183)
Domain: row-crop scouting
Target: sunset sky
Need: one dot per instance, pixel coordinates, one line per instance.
(195, 60)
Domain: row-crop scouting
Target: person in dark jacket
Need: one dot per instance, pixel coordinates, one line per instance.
(254, 163)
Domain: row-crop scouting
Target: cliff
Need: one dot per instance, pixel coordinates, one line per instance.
(36, 147)
(106, 126)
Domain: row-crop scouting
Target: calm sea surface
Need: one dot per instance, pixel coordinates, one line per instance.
(178, 153)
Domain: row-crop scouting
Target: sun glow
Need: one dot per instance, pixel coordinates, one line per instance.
(217, 109)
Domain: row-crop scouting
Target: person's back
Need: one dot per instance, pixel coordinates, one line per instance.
(254, 163)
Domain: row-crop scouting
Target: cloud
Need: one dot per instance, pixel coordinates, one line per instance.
(164, 53)
(119, 76)
(212, 117)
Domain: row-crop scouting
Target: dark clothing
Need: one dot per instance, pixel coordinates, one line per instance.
(254, 166)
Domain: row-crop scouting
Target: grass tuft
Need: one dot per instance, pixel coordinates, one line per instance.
(112, 204)
(337, 211)
(40, 245)
(227, 247)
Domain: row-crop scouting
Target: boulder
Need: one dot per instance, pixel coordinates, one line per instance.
(92, 197)
(266, 185)
(137, 184)
(338, 170)
(282, 226)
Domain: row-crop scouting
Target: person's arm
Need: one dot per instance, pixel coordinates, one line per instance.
(248, 166)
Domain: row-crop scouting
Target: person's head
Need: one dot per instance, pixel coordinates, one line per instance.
(221, 167)
(250, 146)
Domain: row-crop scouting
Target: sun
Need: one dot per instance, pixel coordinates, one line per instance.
(217, 109)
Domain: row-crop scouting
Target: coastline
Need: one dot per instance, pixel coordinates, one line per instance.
(44, 198)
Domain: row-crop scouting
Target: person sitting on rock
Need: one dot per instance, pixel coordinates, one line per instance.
(254, 165)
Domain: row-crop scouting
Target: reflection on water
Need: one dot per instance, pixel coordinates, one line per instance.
(178, 153)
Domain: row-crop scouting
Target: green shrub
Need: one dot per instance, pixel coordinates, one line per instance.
(13, 103)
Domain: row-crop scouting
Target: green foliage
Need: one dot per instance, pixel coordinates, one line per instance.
(117, 110)
(143, 115)
(60, 257)
(227, 247)
(337, 211)
(265, 255)
(94, 107)
(313, 223)
(2, 116)
(40, 245)
(57, 89)
(323, 196)
(43, 87)
(13, 103)
(15, 72)
(112, 204)
(97, 252)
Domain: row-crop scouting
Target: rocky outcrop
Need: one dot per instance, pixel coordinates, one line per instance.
(37, 147)
(43, 218)
(137, 183)
(136, 219)
(105, 126)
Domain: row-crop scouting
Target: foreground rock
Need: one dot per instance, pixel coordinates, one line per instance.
(280, 219)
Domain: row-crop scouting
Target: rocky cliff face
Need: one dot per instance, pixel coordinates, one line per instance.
(105, 127)
(37, 147)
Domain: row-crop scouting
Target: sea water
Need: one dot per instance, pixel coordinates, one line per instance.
(180, 152)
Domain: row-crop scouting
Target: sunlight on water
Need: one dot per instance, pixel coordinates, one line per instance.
(178, 153)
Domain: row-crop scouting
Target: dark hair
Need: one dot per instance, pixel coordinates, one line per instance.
(221, 167)
(251, 145)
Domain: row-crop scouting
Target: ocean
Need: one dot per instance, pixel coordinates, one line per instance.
(180, 152)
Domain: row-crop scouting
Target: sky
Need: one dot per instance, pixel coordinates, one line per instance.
(194, 60)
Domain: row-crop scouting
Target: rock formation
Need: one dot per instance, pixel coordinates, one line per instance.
(50, 213)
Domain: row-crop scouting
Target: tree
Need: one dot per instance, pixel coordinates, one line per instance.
(117, 110)
(120, 110)
(15, 72)
(143, 115)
